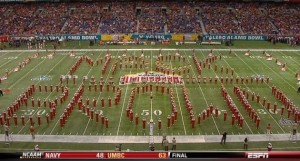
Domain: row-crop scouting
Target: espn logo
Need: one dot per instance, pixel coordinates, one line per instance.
(257, 155)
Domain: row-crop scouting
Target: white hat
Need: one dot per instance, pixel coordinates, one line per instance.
(270, 144)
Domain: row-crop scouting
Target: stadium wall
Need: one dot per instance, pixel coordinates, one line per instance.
(149, 37)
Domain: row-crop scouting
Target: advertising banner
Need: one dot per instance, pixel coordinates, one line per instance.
(226, 37)
(152, 36)
(177, 37)
(106, 38)
(69, 37)
(4, 38)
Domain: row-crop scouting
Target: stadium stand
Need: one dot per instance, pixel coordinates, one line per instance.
(118, 18)
(148, 17)
(253, 21)
(151, 20)
(16, 18)
(285, 17)
(183, 18)
(49, 20)
(220, 19)
(83, 19)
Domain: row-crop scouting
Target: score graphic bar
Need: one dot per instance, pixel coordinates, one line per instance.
(207, 154)
(153, 155)
(107, 155)
(252, 155)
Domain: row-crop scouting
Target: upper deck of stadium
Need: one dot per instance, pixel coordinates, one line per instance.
(115, 17)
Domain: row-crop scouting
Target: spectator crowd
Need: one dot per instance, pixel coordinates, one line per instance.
(150, 17)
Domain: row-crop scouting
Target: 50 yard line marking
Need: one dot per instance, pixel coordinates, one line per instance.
(123, 104)
(151, 99)
(151, 109)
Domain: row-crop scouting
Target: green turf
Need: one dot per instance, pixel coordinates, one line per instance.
(201, 95)
(237, 44)
(252, 146)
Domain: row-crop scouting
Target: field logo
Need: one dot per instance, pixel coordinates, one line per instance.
(288, 122)
(63, 77)
(152, 76)
(11, 57)
(260, 77)
(42, 78)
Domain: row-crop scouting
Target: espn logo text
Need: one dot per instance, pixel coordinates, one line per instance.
(258, 155)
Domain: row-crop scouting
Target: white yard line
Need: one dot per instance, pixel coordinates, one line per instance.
(97, 98)
(297, 52)
(151, 57)
(100, 92)
(66, 50)
(123, 104)
(27, 74)
(269, 68)
(149, 49)
(47, 96)
(3, 55)
(260, 102)
(180, 110)
(249, 149)
(233, 102)
(202, 93)
(62, 113)
(151, 109)
(179, 103)
(292, 59)
(122, 108)
(10, 60)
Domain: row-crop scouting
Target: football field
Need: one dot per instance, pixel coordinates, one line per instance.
(117, 92)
